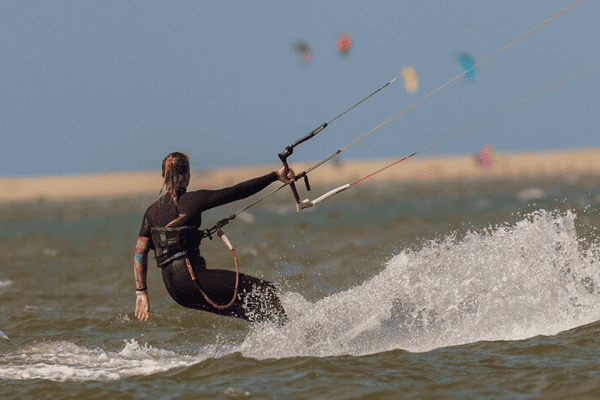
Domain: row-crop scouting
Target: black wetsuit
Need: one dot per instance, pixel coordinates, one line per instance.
(256, 300)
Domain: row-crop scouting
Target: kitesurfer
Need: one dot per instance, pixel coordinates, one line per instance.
(170, 228)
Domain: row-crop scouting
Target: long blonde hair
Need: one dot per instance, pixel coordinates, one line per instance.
(174, 168)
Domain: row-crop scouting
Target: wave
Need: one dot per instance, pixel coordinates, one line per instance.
(501, 283)
(4, 284)
(65, 361)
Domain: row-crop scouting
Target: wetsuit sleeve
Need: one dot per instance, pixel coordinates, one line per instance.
(146, 230)
(207, 199)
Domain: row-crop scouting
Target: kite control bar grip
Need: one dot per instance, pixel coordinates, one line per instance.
(292, 184)
(308, 203)
(289, 150)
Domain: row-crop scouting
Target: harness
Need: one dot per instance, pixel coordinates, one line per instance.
(173, 243)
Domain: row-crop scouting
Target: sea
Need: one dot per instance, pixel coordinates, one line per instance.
(458, 289)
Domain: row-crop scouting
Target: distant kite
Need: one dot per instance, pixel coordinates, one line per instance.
(467, 62)
(411, 80)
(485, 157)
(303, 50)
(343, 43)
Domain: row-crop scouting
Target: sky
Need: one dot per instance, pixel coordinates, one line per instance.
(98, 86)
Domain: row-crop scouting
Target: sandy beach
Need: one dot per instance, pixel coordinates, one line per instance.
(451, 167)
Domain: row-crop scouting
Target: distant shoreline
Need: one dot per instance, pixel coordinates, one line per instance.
(426, 169)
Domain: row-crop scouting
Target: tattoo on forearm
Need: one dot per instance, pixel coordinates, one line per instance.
(140, 261)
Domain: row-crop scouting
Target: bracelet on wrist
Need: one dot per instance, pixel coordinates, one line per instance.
(140, 291)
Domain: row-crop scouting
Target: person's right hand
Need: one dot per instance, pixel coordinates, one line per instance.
(285, 177)
(142, 306)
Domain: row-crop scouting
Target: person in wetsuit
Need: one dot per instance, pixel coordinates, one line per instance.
(170, 228)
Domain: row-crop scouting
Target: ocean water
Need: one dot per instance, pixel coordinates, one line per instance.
(450, 290)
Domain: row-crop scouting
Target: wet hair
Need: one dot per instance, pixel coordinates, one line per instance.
(174, 168)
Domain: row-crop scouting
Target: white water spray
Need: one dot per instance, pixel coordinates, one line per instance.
(506, 283)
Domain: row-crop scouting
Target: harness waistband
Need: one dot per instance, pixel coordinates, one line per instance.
(171, 259)
(172, 243)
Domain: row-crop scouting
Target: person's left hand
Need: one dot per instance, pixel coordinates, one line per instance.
(285, 178)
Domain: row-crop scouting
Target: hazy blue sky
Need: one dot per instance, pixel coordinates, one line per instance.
(89, 86)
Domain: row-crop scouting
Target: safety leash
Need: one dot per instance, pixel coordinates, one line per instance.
(227, 242)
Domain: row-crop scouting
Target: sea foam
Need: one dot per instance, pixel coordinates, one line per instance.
(507, 282)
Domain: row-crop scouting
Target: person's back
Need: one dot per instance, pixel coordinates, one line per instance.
(171, 227)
